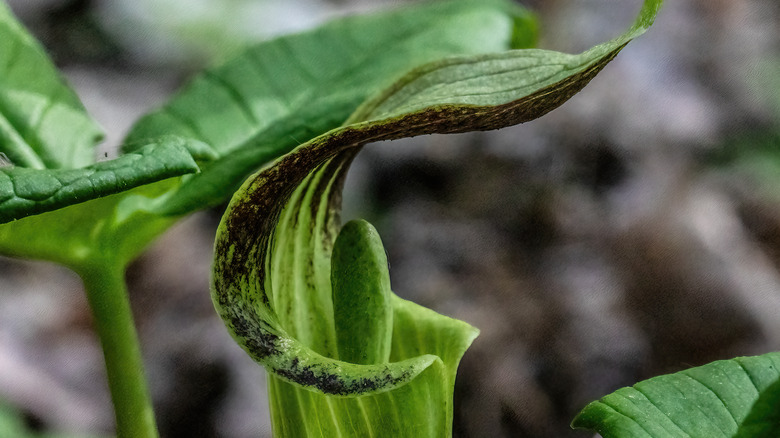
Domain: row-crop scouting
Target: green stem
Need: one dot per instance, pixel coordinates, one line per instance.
(104, 282)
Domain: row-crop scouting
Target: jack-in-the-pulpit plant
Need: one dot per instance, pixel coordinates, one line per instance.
(311, 300)
(305, 297)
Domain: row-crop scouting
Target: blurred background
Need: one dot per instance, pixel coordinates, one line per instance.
(632, 232)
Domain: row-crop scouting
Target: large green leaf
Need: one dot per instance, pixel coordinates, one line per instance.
(25, 191)
(271, 281)
(42, 122)
(282, 93)
(730, 398)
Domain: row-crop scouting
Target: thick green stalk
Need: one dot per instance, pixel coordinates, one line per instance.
(104, 282)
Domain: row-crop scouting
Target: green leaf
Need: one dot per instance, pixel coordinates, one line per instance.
(730, 398)
(24, 192)
(282, 93)
(42, 122)
(271, 279)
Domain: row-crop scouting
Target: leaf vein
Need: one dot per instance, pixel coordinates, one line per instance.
(720, 399)
(639, 390)
(618, 411)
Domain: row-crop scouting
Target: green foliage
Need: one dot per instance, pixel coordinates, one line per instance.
(48, 139)
(248, 111)
(730, 398)
(96, 217)
(346, 356)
